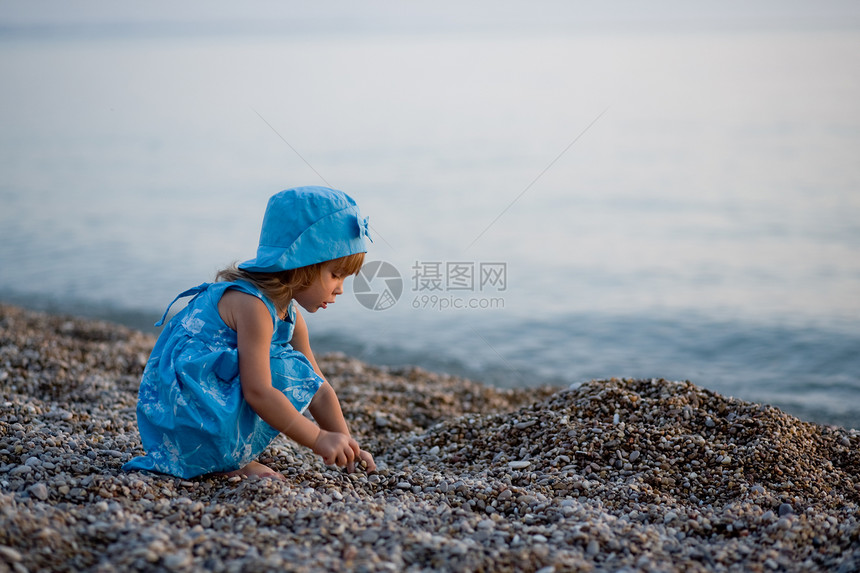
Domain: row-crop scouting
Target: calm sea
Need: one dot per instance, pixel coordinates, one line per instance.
(546, 207)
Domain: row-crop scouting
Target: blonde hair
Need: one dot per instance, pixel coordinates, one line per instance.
(280, 286)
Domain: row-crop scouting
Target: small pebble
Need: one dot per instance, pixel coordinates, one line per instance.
(10, 554)
(39, 491)
(20, 470)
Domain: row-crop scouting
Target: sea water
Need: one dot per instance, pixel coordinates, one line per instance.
(550, 207)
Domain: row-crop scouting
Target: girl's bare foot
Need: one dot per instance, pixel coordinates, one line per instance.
(256, 469)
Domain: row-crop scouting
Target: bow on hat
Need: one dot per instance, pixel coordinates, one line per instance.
(363, 227)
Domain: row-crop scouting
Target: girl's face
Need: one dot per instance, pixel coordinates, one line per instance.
(323, 291)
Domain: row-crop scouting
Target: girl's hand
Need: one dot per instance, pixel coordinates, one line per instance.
(370, 465)
(336, 448)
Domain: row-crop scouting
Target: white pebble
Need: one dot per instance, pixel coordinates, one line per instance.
(10, 554)
(39, 491)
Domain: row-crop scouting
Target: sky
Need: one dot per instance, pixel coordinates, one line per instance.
(390, 16)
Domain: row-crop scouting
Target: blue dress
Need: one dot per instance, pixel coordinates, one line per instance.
(192, 416)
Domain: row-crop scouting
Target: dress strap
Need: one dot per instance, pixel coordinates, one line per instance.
(192, 291)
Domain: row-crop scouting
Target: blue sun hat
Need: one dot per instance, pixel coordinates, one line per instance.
(308, 225)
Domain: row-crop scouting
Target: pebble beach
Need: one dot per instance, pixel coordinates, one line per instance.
(613, 475)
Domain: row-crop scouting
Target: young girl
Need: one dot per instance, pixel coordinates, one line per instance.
(234, 368)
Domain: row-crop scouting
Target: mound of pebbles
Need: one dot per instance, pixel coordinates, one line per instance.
(636, 475)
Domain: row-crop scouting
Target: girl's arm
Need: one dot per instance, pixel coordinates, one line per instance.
(325, 406)
(251, 320)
